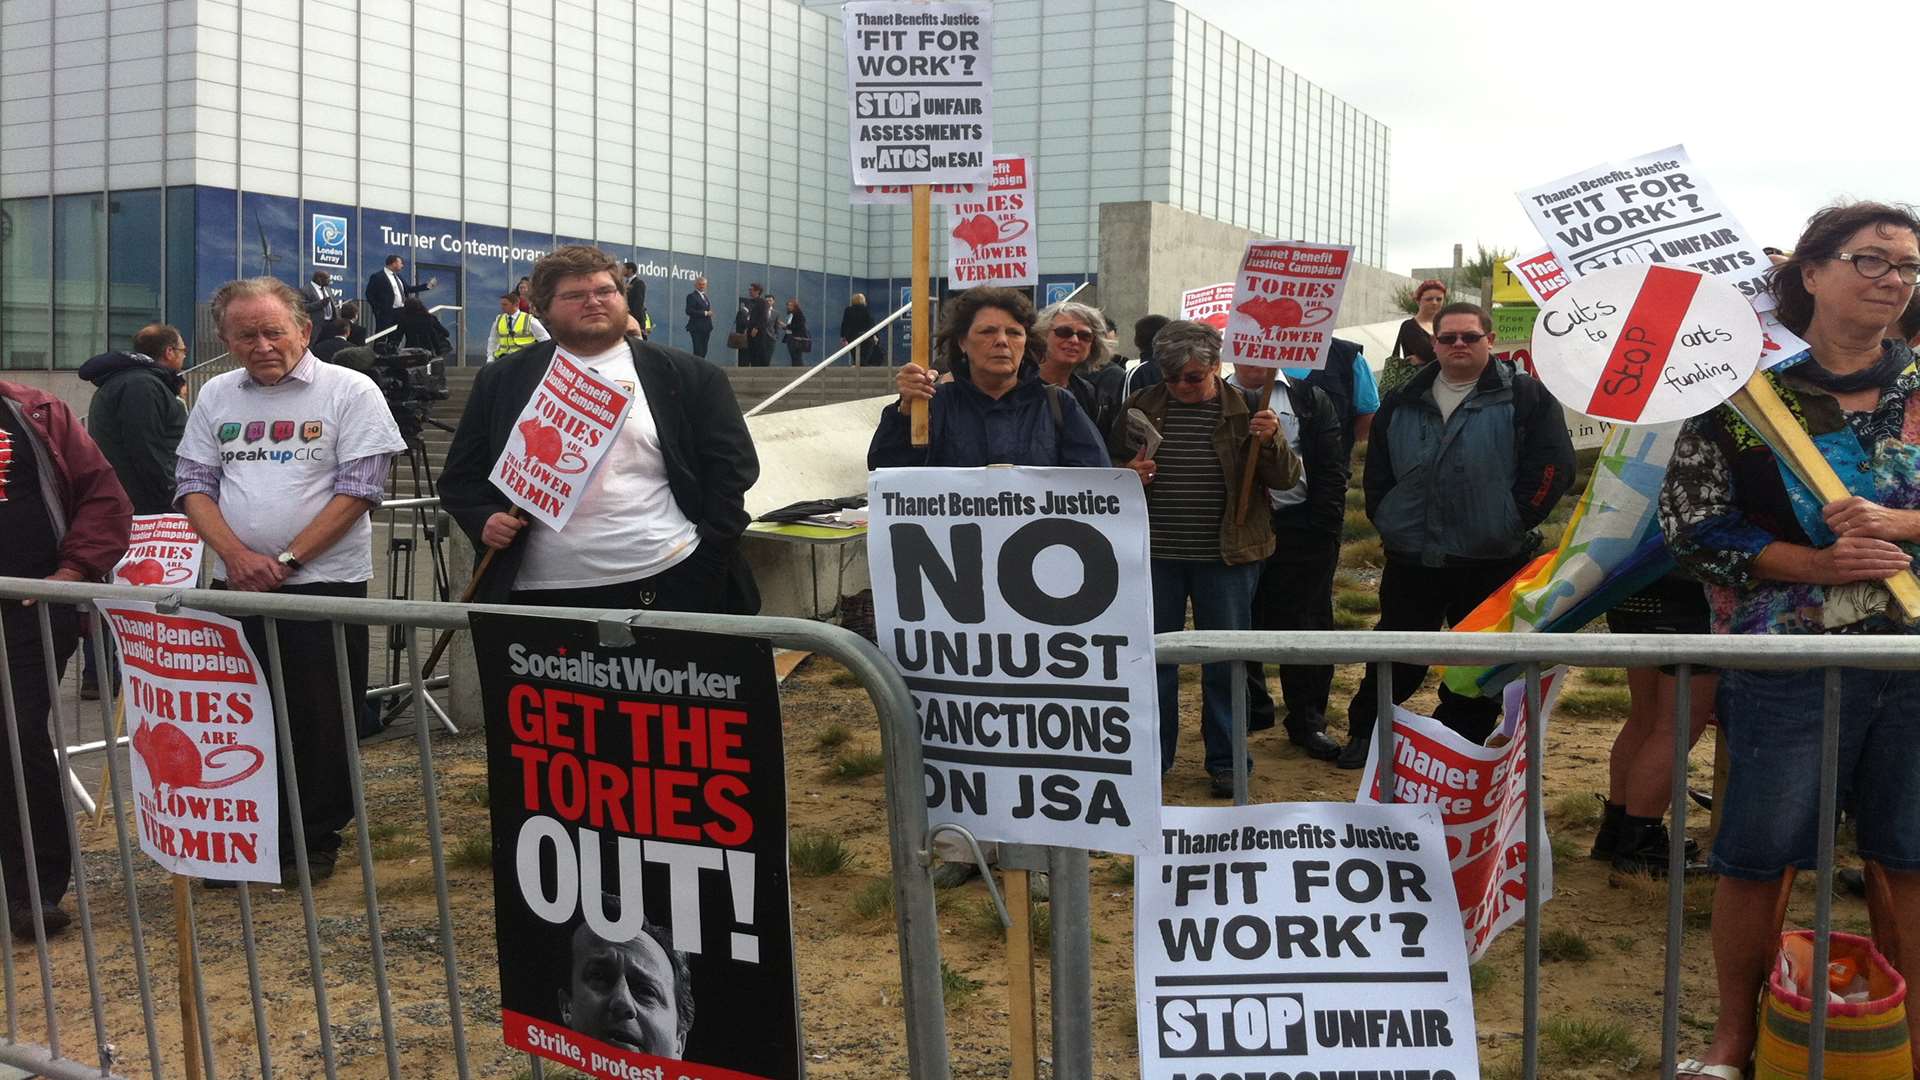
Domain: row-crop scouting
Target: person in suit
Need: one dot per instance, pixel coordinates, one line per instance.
(659, 523)
(699, 317)
(355, 333)
(857, 319)
(755, 319)
(321, 303)
(637, 298)
(386, 291)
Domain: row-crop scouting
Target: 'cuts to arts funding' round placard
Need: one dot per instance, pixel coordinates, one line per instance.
(1646, 344)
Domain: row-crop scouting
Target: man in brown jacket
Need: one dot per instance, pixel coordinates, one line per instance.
(64, 517)
(1202, 550)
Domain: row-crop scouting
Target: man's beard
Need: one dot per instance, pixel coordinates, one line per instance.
(583, 341)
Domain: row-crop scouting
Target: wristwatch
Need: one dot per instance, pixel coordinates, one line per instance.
(287, 560)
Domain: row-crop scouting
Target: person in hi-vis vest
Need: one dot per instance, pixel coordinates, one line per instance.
(512, 329)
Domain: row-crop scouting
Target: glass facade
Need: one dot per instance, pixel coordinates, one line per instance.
(693, 136)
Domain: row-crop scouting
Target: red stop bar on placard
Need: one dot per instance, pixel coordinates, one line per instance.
(1646, 339)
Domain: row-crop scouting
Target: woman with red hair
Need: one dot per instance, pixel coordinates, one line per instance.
(1414, 346)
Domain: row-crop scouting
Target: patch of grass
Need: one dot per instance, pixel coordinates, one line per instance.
(1589, 702)
(1364, 600)
(843, 678)
(1042, 923)
(1350, 579)
(857, 765)
(874, 899)
(813, 853)
(1604, 676)
(476, 793)
(472, 853)
(395, 847)
(833, 737)
(1480, 977)
(1363, 553)
(1564, 849)
(1120, 872)
(1575, 808)
(1586, 1041)
(1350, 620)
(1564, 945)
(1356, 498)
(1358, 527)
(957, 990)
(384, 830)
(1625, 943)
(1509, 1068)
(408, 887)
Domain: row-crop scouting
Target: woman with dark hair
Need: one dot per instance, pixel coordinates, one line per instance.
(1414, 345)
(794, 328)
(996, 410)
(420, 329)
(524, 290)
(857, 319)
(1776, 561)
(356, 333)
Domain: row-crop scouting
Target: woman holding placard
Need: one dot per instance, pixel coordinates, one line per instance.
(1777, 561)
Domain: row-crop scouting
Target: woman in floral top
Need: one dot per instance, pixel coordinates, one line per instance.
(1775, 561)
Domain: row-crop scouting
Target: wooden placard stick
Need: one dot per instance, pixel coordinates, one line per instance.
(922, 303)
(441, 642)
(183, 939)
(1023, 1036)
(1760, 405)
(106, 777)
(1253, 458)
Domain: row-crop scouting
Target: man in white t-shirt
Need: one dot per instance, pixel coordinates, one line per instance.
(659, 522)
(281, 462)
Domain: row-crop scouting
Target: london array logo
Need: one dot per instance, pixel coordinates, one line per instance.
(329, 241)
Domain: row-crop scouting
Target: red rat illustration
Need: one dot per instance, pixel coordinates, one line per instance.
(174, 762)
(979, 231)
(150, 572)
(543, 445)
(1283, 313)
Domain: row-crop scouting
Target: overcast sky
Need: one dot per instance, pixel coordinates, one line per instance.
(1484, 99)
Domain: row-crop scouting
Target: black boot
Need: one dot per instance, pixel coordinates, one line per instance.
(1644, 846)
(1607, 840)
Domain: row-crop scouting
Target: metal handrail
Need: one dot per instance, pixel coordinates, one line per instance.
(817, 368)
(434, 310)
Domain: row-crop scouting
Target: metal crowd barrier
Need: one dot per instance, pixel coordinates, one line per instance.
(922, 1001)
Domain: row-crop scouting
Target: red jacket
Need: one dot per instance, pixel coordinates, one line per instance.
(91, 513)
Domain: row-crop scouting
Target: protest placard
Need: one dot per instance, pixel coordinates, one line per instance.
(203, 761)
(1656, 210)
(1015, 603)
(1481, 795)
(559, 440)
(638, 800)
(162, 549)
(1514, 322)
(1645, 344)
(993, 239)
(1208, 304)
(1538, 274)
(902, 194)
(919, 91)
(1284, 301)
(1301, 940)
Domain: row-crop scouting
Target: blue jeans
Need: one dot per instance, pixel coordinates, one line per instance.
(1771, 721)
(1222, 598)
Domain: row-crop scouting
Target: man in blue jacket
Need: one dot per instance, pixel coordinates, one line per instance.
(1465, 461)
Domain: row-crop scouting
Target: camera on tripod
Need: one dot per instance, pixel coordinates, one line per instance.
(410, 379)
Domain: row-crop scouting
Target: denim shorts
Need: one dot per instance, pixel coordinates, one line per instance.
(1771, 721)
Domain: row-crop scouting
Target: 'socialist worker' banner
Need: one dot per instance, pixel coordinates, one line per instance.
(919, 91)
(559, 440)
(201, 717)
(992, 241)
(1208, 304)
(1284, 301)
(638, 798)
(1015, 602)
(1300, 941)
(162, 549)
(1481, 794)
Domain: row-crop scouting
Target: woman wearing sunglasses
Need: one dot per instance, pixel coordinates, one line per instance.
(1077, 357)
(1204, 552)
(1777, 561)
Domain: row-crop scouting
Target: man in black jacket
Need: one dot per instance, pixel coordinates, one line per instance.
(387, 291)
(659, 522)
(699, 317)
(1296, 584)
(137, 416)
(637, 296)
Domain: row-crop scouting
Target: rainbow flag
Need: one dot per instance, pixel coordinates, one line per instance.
(1612, 548)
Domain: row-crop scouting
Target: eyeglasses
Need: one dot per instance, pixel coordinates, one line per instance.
(1191, 378)
(603, 294)
(1873, 267)
(1064, 333)
(1467, 337)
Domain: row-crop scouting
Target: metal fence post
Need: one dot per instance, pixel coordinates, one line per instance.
(1823, 883)
(1536, 742)
(1676, 872)
(1072, 977)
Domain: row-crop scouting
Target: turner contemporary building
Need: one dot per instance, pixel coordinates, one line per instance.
(151, 150)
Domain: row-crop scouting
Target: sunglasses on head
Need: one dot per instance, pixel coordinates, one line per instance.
(1467, 337)
(1068, 334)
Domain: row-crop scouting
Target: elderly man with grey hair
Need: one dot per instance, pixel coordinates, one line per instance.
(1203, 551)
(1078, 360)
